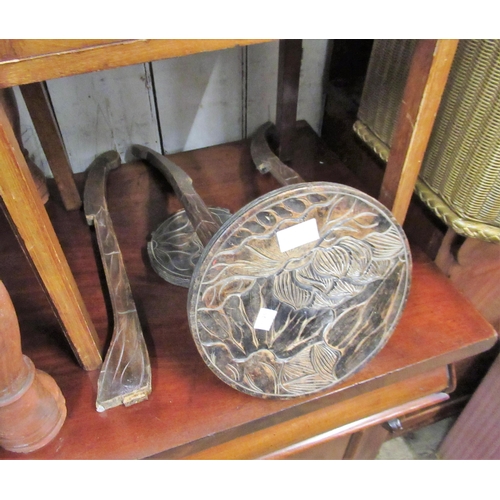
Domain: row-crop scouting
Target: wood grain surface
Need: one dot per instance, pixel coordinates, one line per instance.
(37, 101)
(190, 409)
(427, 78)
(36, 235)
(28, 61)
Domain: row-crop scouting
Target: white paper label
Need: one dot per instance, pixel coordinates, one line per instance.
(265, 319)
(300, 234)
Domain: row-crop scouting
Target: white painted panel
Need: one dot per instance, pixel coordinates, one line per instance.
(200, 99)
(105, 110)
(29, 138)
(263, 83)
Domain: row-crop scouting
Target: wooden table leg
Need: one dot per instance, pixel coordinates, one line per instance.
(36, 99)
(37, 237)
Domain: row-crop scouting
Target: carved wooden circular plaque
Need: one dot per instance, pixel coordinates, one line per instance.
(299, 289)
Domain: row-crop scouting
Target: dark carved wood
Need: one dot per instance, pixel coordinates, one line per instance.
(125, 376)
(199, 215)
(266, 161)
(174, 248)
(335, 299)
(190, 409)
(298, 289)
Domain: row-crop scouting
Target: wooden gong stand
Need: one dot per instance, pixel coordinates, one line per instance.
(282, 298)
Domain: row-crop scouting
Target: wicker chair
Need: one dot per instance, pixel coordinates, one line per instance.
(460, 175)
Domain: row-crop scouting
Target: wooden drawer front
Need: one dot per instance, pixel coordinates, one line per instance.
(342, 419)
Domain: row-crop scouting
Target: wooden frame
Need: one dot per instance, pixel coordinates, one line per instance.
(427, 78)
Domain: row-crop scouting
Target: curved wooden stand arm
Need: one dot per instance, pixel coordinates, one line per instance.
(266, 161)
(204, 223)
(125, 376)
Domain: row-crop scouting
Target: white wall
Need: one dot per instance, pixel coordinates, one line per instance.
(182, 103)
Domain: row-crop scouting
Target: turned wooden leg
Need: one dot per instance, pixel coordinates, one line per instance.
(32, 407)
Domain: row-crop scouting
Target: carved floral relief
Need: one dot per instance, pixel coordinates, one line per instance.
(333, 302)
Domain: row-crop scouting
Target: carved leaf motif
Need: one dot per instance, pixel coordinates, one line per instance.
(323, 359)
(289, 293)
(215, 324)
(304, 385)
(232, 287)
(361, 324)
(175, 248)
(297, 330)
(261, 372)
(300, 374)
(349, 288)
(332, 262)
(330, 295)
(254, 227)
(307, 277)
(341, 292)
(360, 255)
(379, 268)
(385, 245)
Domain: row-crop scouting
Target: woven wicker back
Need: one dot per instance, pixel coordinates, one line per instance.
(384, 86)
(460, 175)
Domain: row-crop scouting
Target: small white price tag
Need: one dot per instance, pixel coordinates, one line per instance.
(265, 319)
(298, 235)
